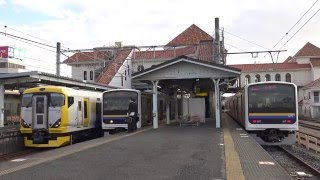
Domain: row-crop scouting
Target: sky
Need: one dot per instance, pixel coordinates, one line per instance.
(249, 25)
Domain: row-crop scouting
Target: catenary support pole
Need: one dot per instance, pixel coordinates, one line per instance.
(1, 105)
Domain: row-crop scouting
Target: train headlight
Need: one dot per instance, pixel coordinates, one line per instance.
(24, 124)
(56, 124)
(111, 121)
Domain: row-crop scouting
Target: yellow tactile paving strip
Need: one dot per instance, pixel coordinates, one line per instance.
(233, 165)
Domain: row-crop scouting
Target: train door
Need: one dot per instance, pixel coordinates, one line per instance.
(79, 114)
(40, 113)
(85, 112)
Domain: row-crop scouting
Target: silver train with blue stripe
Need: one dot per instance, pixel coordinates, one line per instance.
(268, 111)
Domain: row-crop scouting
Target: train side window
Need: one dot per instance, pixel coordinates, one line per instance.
(85, 106)
(70, 101)
(79, 105)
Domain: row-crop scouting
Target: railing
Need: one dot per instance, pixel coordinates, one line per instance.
(308, 141)
(10, 140)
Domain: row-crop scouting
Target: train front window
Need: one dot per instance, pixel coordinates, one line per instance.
(56, 100)
(26, 100)
(117, 102)
(271, 98)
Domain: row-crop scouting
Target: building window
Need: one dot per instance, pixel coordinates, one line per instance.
(309, 95)
(288, 77)
(257, 78)
(84, 75)
(267, 77)
(125, 74)
(140, 68)
(316, 97)
(91, 75)
(278, 77)
(121, 80)
(247, 79)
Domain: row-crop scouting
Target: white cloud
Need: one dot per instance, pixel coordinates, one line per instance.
(87, 24)
(2, 2)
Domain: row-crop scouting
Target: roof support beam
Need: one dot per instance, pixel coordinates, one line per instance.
(217, 101)
(155, 104)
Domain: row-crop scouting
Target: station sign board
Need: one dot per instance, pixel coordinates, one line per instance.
(12, 52)
(4, 51)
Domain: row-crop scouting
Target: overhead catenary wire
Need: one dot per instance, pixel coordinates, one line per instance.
(7, 27)
(18, 37)
(234, 46)
(300, 28)
(295, 24)
(246, 40)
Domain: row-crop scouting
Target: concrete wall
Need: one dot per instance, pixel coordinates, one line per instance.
(78, 71)
(302, 60)
(298, 77)
(122, 78)
(310, 108)
(315, 73)
(146, 63)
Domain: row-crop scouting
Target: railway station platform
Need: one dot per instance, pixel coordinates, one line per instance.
(169, 152)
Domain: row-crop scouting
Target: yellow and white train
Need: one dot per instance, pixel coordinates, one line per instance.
(54, 116)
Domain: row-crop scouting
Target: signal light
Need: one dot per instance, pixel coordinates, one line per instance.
(289, 121)
(254, 121)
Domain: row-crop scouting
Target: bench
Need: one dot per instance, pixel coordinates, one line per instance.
(190, 120)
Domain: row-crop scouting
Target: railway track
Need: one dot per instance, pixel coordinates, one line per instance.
(16, 155)
(296, 166)
(311, 124)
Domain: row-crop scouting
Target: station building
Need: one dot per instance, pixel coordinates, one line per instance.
(122, 66)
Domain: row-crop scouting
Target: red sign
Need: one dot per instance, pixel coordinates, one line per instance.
(4, 51)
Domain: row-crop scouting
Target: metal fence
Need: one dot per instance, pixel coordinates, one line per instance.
(11, 140)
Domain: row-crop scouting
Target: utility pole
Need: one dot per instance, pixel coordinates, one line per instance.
(222, 49)
(216, 42)
(58, 59)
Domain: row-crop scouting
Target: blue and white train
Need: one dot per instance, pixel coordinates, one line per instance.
(267, 110)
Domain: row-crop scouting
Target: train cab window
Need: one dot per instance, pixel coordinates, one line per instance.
(26, 100)
(40, 105)
(56, 100)
(70, 101)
